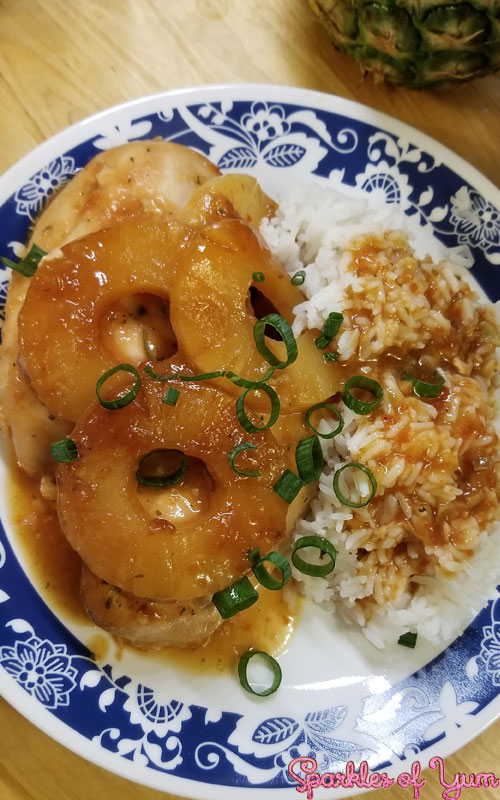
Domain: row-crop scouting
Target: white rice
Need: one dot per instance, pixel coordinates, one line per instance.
(313, 230)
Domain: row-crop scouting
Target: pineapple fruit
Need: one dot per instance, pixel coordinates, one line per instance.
(416, 43)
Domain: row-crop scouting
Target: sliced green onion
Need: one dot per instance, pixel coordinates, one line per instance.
(270, 661)
(124, 400)
(161, 480)
(367, 472)
(239, 448)
(242, 415)
(171, 396)
(362, 382)
(319, 543)
(64, 451)
(203, 376)
(288, 486)
(408, 639)
(245, 382)
(235, 598)
(254, 555)
(283, 328)
(258, 277)
(331, 356)
(309, 459)
(330, 329)
(299, 277)
(263, 575)
(425, 389)
(29, 264)
(152, 374)
(333, 433)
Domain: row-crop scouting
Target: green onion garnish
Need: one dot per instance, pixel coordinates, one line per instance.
(263, 575)
(242, 415)
(125, 399)
(29, 264)
(362, 382)
(258, 277)
(64, 451)
(235, 598)
(283, 328)
(309, 459)
(331, 356)
(299, 277)
(203, 376)
(330, 329)
(288, 486)
(248, 384)
(171, 396)
(239, 448)
(270, 661)
(423, 388)
(408, 639)
(367, 472)
(333, 433)
(319, 543)
(161, 480)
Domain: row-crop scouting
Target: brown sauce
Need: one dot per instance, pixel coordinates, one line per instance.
(54, 568)
(267, 625)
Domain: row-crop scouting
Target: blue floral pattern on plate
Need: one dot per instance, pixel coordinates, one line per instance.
(280, 142)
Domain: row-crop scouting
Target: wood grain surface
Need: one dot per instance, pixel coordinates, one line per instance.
(62, 60)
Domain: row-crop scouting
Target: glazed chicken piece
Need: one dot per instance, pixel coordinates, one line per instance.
(155, 178)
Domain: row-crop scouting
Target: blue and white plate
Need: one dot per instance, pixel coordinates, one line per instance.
(197, 735)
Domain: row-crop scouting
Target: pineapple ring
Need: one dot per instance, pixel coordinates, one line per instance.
(104, 520)
(151, 177)
(64, 323)
(213, 317)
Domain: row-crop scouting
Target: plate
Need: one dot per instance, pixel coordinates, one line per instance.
(341, 700)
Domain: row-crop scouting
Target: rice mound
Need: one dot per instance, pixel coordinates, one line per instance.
(420, 556)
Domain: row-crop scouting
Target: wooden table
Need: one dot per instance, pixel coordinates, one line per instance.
(61, 60)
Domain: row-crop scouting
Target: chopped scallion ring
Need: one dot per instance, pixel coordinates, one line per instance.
(362, 382)
(331, 356)
(248, 384)
(161, 481)
(309, 459)
(242, 415)
(329, 330)
(258, 277)
(124, 400)
(254, 555)
(283, 328)
(408, 639)
(263, 575)
(29, 264)
(171, 396)
(423, 388)
(299, 278)
(367, 472)
(288, 486)
(239, 448)
(235, 598)
(203, 376)
(270, 662)
(319, 543)
(64, 451)
(333, 433)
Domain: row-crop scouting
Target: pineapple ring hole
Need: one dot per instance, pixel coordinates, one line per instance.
(138, 328)
(260, 306)
(178, 505)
